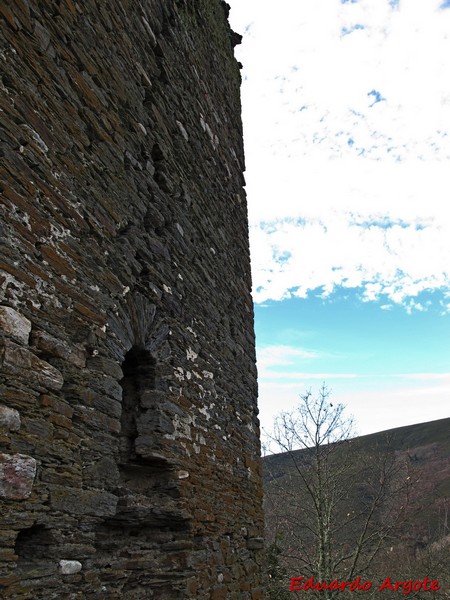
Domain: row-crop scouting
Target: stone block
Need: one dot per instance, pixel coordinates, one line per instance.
(255, 543)
(52, 346)
(83, 502)
(17, 473)
(105, 366)
(70, 567)
(96, 419)
(101, 472)
(23, 364)
(14, 325)
(56, 405)
(9, 419)
(219, 592)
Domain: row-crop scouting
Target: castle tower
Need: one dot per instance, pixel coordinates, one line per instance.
(129, 448)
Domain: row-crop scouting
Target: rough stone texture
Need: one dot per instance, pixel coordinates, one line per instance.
(17, 473)
(9, 419)
(19, 362)
(14, 324)
(124, 247)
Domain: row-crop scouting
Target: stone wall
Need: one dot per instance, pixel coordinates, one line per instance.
(129, 451)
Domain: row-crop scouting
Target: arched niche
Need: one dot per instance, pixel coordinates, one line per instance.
(138, 381)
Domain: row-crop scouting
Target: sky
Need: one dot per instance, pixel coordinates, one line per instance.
(346, 113)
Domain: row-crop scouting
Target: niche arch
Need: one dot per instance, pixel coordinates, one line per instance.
(148, 512)
(148, 487)
(139, 339)
(138, 383)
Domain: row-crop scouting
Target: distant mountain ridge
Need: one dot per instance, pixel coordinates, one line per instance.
(405, 436)
(423, 541)
(426, 444)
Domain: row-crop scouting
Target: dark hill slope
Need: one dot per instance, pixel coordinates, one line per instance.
(421, 543)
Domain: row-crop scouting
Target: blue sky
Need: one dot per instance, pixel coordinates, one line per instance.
(346, 111)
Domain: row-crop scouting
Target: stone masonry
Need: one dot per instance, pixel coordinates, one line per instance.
(129, 441)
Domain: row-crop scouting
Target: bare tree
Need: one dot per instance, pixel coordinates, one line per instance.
(333, 513)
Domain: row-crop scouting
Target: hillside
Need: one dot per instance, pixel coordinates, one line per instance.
(405, 439)
(419, 539)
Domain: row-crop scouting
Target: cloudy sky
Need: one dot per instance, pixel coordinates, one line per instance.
(346, 110)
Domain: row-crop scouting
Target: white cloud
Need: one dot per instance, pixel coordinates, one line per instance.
(347, 132)
(346, 110)
(396, 259)
(271, 358)
(426, 376)
(289, 358)
(281, 355)
(296, 57)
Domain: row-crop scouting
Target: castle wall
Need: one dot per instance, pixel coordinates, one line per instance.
(129, 450)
